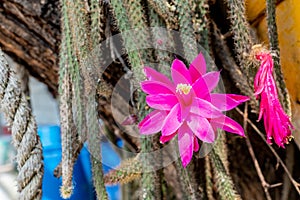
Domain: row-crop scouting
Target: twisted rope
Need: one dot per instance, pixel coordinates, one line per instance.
(24, 133)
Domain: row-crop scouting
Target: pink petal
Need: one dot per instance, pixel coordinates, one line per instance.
(197, 67)
(153, 75)
(265, 68)
(162, 101)
(259, 80)
(204, 108)
(228, 124)
(201, 128)
(211, 79)
(185, 111)
(164, 139)
(200, 88)
(277, 123)
(152, 123)
(155, 87)
(185, 144)
(179, 72)
(271, 87)
(172, 122)
(196, 144)
(226, 102)
(263, 105)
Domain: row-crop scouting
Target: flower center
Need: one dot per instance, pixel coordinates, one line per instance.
(183, 88)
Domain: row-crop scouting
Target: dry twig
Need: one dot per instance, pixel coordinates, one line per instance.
(295, 183)
(264, 184)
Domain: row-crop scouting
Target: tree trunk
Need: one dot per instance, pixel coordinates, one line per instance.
(30, 34)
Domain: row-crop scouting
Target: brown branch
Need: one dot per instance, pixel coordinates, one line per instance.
(289, 160)
(295, 183)
(264, 184)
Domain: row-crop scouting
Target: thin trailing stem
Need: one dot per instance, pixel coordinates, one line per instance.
(137, 20)
(221, 149)
(123, 22)
(151, 185)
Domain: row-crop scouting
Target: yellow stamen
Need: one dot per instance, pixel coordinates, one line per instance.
(183, 88)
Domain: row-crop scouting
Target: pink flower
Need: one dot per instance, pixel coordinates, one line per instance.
(277, 123)
(186, 106)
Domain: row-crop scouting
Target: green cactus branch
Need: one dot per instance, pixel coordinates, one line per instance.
(98, 21)
(150, 183)
(186, 29)
(77, 43)
(201, 22)
(151, 178)
(224, 183)
(88, 69)
(274, 47)
(166, 12)
(133, 17)
(208, 179)
(162, 57)
(242, 38)
(184, 178)
(68, 129)
(221, 149)
(129, 170)
(122, 21)
(76, 19)
(94, 141)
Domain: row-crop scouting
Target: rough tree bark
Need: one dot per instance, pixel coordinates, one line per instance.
(30, 34)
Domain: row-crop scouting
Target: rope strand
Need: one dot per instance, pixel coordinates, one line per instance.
(24, 133)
